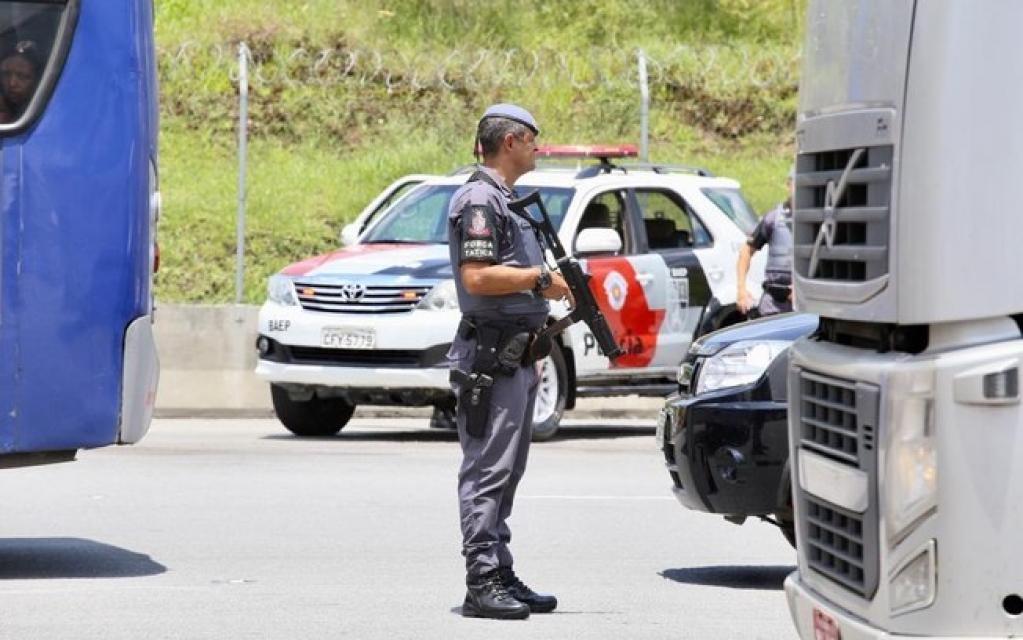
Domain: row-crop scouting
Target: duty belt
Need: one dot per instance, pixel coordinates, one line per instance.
(501, 350)
(778, 291)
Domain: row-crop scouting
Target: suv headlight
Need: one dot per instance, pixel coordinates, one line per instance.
(280, 289)
(442, 297)
(738, 364)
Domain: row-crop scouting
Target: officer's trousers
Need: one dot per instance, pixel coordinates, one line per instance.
(491, 469)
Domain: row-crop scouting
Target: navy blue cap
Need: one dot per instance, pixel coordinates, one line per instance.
(514, 113)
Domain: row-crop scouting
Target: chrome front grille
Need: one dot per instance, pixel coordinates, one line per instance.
(837, 419)
(842, 217)
(358, 298)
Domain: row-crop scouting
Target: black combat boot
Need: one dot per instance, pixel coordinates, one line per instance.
(488, 598)
(537, 602)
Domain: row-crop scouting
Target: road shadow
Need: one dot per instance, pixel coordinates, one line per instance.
(56, 558)
(732, 577)
(387, 433)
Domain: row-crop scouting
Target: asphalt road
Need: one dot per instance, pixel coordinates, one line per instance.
(234, 529)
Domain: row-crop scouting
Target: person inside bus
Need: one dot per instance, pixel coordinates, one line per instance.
(19, 76)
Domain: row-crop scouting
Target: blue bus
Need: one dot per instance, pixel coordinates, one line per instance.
(80, 202)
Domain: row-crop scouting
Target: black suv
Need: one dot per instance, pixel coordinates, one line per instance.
(724, 432)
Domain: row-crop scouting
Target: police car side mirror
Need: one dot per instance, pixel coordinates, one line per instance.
(349, 234)
(590, 241)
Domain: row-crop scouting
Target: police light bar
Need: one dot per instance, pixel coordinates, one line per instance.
(587, 151)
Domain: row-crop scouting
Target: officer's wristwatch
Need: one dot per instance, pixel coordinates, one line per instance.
(543, 281)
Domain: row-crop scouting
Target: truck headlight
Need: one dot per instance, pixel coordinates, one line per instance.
(280, 289)
(911, 486)
(738, 364)
(442, 297)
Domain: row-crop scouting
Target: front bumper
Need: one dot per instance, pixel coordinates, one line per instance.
(727, 452)
(353, 377)
(815, 617)
(406, 366)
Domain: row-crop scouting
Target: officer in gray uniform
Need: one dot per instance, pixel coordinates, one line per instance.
(775, 231)
(503, 286)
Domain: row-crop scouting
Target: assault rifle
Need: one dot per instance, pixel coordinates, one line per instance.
(585, 308)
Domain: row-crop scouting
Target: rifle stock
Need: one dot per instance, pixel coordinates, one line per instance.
(586, 309)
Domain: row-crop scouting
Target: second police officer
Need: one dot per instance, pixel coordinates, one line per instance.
(503, 287)
(775, 231)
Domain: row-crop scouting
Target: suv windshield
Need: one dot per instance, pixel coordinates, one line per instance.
(734, 205)
(420, 217)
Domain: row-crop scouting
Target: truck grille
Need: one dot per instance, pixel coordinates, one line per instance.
(357, 298)
(842, 234)
(838, 419)
(835, 545)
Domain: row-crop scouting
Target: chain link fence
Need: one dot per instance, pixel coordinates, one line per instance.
(713, 65)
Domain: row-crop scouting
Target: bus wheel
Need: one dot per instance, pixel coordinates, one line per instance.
(551, 393)
(313, 417)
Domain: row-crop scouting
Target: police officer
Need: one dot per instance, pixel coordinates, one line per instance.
(774, 230)
(503, 286)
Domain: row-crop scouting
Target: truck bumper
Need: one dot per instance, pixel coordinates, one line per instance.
(818, 619)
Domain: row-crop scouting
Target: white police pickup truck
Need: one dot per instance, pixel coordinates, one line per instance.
(370, 323)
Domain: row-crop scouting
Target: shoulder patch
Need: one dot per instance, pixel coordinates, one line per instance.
(478, 227)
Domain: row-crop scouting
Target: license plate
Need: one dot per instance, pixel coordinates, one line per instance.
(345, 338)
(825, 627)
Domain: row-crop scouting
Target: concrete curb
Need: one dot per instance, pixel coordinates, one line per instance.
(207, 358)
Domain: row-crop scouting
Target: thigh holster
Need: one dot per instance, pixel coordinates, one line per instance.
(500, 351)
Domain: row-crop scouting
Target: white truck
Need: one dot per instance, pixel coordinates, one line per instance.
(905, 422)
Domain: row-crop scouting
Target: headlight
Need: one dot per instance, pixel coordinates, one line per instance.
(913, 584)
(911, 487)
(738, 364)
(443, 297)
(280, 289)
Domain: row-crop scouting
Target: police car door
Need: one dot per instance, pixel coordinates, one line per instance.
(671, 231)
(633, 291)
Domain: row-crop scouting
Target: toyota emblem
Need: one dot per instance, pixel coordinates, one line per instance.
(352, 292)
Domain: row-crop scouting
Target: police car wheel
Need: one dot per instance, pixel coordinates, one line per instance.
(551, 393)
(313, 417)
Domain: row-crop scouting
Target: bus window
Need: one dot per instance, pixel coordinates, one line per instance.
(33, 43)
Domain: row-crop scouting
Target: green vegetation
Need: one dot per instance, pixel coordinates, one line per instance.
(347, 95)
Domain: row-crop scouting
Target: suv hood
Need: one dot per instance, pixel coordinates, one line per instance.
(416, 260)
(786, 326)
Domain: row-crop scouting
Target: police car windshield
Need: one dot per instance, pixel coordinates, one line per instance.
(734, 205)
(421, 216)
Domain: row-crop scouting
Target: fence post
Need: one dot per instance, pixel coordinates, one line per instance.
(243, 126)
(644, 110)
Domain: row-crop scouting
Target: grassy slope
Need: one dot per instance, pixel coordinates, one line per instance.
(320, 149)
